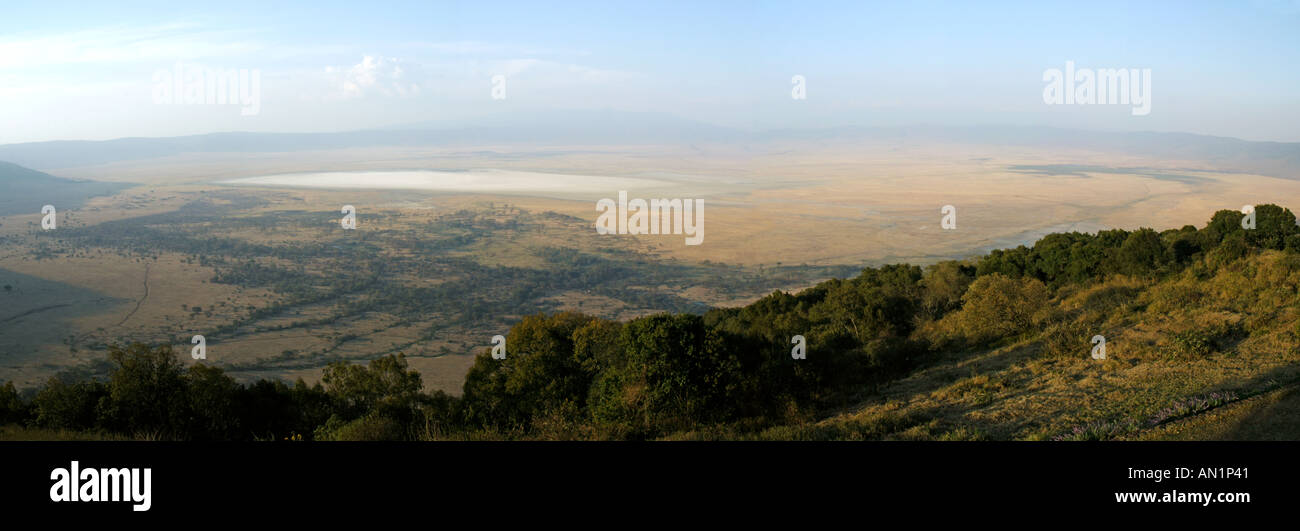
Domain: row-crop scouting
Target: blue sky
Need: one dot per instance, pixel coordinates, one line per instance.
(73, 71)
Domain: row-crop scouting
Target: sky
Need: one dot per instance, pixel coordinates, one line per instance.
(94, 70)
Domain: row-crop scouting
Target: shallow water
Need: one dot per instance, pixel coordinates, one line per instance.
(492, 181)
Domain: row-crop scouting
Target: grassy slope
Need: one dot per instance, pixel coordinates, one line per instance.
(1022, 390)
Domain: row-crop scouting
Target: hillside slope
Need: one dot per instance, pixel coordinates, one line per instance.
(25, 191)
(1176, 349)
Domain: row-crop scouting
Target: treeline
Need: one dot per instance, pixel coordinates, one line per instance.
(149, 394)
(570, 376)
(1078, 257)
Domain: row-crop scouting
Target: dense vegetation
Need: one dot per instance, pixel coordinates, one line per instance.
(569, 375)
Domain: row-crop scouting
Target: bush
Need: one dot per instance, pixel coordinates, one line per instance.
(1192, 343)
(12, 407)
(945, 283)
(372, 427)
(1205, 340)
(1067, 339)
(1232, 248)
(996, 306)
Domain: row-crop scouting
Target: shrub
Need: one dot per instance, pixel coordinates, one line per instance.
(12, 407)
(945, 283)
(1232, 248)
(997, 306)
(371, 427)
(1190, 343)
(1067, 339)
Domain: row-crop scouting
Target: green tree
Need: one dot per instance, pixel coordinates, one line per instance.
(362, 388)
(380, 398)
(213, 401)
(70, 406)
(678, 373)
(1007, 262)
(1223, 223)
(12, 407)
(1273, 226)
(1185, 244)
(147, 392)
(945, 283)
(1142, 253)
(549, 367)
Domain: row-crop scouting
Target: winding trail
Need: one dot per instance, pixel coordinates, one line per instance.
(141, 300)
(32, 311)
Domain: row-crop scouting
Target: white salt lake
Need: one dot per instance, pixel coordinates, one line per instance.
(486, 181)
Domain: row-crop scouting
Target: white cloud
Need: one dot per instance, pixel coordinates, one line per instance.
(374, 75)
(446, 79)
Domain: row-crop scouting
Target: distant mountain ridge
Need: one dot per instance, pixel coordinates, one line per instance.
(1276, 159)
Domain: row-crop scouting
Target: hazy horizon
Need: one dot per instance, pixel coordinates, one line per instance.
(478, 124)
